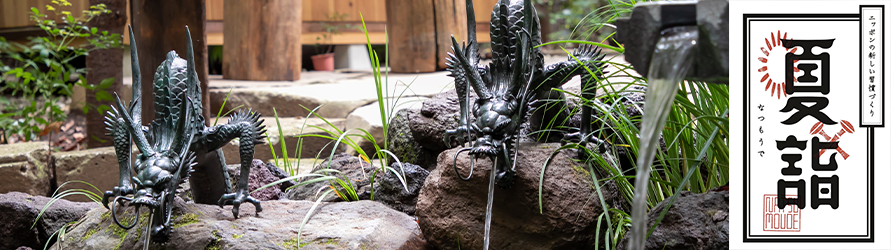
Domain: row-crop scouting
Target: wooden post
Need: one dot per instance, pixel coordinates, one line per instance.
(160, 26)
(262, 40)
(102, 64)
(451, 19)
(412, 36)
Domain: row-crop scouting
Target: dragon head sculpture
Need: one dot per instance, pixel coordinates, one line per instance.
(502, 87)
(164, 160)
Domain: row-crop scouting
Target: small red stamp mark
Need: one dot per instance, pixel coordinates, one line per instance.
(781, 220)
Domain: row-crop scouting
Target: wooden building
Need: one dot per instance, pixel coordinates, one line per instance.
(15, 23)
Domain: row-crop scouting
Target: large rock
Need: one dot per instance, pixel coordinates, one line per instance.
(23, 168)
(291, 128)
(695, 221)
(368, 118)
(452, 213)
(19, 210)
(438, 114)
(402, 143)
(351, 167)
(98, 166)
(341, 225)
(261, 174)
(389, 190)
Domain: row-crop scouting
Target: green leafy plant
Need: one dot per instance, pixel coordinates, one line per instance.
(344, 187)
(331, 28)
(42, 69)
(695, 157)
(577, 20)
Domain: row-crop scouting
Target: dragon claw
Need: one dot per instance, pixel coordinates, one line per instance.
(116, 191)
(235, 199)
(570, 137)
(577, 137)
(457, 133)
(601, 144)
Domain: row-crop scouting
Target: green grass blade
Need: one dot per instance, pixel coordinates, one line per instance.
(221, 107)
(296, 168)
(271, 149)
(292, 178)
(281, 141)
(59, 195)
(309, 214)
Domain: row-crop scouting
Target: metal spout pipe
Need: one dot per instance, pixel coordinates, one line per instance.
(641, 31)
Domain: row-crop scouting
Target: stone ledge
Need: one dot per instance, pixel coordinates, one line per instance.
(291, 128)
(337, 225)
(23, 168)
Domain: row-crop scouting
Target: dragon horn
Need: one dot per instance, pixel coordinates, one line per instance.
(135, 129)
(524, 39)
(472, 47)
(192, 78)
(185, 114)
(473, 75)
(135, 107)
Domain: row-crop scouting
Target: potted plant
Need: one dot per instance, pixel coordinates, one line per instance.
(325, 61)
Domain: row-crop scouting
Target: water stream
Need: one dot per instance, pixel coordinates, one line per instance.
(489, 203)
(672, 59)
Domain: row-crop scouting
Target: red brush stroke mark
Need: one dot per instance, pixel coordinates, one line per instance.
(784, 91)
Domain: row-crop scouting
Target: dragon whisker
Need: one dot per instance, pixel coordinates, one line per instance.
(114, 214)
(455, 164)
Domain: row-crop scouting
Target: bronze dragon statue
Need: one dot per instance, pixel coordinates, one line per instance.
(513, 85)
(175, 145)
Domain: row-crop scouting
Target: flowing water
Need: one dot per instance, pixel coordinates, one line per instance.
(672, 59)
(148, 231)
(489, 203)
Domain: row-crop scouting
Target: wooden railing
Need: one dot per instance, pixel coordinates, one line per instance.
(14, 16)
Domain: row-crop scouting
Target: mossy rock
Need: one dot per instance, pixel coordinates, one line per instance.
(342, 225)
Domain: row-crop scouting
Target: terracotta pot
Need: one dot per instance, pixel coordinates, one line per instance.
(323, 62)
